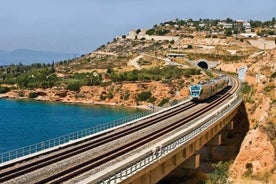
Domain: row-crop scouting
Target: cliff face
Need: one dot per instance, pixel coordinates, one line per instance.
(256, 157)
(256, 161)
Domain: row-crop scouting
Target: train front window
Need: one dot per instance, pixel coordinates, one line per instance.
(195, 87)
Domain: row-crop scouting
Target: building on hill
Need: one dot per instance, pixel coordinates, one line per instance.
(248, 35)
(176, 55)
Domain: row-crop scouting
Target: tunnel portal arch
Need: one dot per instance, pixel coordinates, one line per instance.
(203, 65)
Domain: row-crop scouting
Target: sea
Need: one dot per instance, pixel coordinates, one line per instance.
(26, 122)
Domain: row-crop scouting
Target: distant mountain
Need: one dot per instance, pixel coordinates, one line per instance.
(26, 56)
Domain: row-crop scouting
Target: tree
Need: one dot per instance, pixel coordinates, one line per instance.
(109, 70)
(143, 96)
(138, 31)
(53, 67)
(150, 31)
(228, 32)
(228, 20)
(74, 85)
(273, 21)
(4, 89)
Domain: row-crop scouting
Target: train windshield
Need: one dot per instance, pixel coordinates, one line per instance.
(195, 87)
(195, 90)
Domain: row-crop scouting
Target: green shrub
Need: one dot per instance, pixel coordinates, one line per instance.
(269, 88)
(33, 95)
(144, 96)
(74, 85)
(249, 169)
(209, 73)
(152, 99)
(220, 173)
(126, 95)
(110, 95)
(4, 89)
(150, 31)
(102, 97)
(163, 101)
(246, 88)
(273, 75)
(162, 32)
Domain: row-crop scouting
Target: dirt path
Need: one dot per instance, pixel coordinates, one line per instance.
(134, 62)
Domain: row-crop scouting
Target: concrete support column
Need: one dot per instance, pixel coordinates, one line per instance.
(192, 162)
(215, 141)
(230, 125)
(229, 129)
(211, 146)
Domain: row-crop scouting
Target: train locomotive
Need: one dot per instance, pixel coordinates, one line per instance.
(202, 91)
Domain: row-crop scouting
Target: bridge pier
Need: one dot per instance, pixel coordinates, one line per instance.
(229, 128)
(192, 162)
(211, 145)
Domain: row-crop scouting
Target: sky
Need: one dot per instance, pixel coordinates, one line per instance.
(80, 26)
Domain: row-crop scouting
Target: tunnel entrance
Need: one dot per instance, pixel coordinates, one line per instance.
(203, 65)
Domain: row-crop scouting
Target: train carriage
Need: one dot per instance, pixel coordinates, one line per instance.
(203, 91)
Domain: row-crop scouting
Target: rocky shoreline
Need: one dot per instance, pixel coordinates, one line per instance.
(122, 95)
(145, 107)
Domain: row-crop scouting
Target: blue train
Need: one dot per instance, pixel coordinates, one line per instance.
(203, 91)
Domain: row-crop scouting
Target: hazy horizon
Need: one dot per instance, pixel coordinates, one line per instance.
(81, 26)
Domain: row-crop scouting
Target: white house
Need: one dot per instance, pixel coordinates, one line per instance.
(248, 35)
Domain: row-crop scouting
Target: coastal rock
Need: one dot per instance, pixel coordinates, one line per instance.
(62, 93)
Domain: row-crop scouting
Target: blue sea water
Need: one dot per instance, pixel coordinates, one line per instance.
(24, 122)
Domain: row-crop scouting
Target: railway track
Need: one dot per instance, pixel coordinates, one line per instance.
(12, 171)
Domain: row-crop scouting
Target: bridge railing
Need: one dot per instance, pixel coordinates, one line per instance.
(16, 153)
(151, 157)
